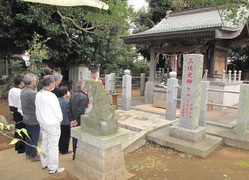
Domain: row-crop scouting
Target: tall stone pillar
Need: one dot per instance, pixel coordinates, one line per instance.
(243, 113)
(188, 128)
(126, 90)
(171, 100)
(191, 91)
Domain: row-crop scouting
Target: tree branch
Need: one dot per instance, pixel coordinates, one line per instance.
(17, 139)
(88, 30)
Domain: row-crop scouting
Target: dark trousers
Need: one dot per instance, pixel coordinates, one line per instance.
(34, 133)
(74, 146)
(64, 139)
(20, 145)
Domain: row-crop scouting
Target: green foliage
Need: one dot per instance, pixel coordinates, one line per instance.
(236, 9)
(242, 164)
(37, 53)
(239, 57)
(79, 35)
(14, 141)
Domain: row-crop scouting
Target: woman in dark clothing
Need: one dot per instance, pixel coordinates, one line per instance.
(65, 124)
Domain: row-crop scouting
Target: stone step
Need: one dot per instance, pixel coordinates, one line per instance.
(229, 137)
(135, 141)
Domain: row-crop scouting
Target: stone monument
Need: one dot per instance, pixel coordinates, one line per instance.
(187, 136)
(99, 154)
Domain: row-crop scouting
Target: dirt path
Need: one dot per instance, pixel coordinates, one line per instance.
(155, 162)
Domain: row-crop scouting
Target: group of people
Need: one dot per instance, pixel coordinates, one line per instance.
(49, 111)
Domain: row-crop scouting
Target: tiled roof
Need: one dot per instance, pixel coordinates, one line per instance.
(190, 20)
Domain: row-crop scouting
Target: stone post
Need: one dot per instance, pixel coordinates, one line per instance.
(112, 81)
(108, 79)
(229, 76)
(149, 92)
(234, 76)
(243, 113)
(239, 76)
(126, 90)
(204, 101)
(223, 76)
(142, 84)
(171, 100)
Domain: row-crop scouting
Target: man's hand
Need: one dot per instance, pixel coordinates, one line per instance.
(73, 123)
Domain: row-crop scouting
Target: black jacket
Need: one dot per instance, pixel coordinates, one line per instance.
(77, 106)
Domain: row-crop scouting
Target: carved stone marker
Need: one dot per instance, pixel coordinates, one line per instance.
(100, 118)
(190, 100)
(99, 153)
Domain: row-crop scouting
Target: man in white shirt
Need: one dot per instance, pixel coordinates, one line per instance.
(49, 116)
(14, 102)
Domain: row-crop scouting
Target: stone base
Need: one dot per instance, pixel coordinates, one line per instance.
(202, 148)
(229, 136)
(100, 157)
(195, 135)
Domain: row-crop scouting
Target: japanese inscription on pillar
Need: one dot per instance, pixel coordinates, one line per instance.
(191, 86)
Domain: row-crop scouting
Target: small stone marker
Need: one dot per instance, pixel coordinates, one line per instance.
(243, 113)
(126, 91)
(191, 89)
(171, 100)
(100, 117)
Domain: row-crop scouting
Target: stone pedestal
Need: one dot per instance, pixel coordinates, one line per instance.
(100, 157)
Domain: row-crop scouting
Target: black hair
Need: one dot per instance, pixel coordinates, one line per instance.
(62, 91)
(18, 79)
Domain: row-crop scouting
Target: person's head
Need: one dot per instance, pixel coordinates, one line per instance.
(81, 85)
(58, 79)
(48, 82)
(63, 92)
(18, 81)
(30, 80)
(94, 75)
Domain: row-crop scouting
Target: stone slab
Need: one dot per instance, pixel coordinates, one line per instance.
(229, 136)
(202, 148)
(120, 137)
(195, 135)
(139, 120)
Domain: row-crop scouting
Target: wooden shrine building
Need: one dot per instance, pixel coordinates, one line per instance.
(203, 31)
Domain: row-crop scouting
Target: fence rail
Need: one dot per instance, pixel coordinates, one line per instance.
(217, 90)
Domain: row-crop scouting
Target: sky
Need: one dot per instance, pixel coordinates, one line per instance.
(137, 4)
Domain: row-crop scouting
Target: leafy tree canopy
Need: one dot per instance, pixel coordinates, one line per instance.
(78, 35)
